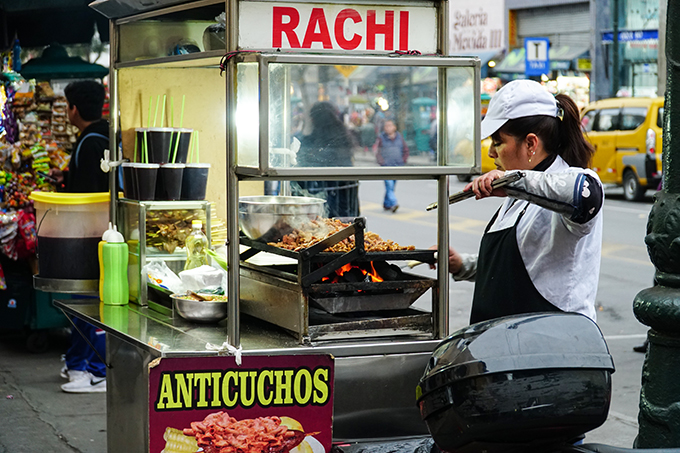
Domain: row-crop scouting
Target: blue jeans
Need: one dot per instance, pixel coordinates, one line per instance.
(80, 355)
(390, 199)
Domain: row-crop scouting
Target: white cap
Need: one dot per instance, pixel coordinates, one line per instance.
(517, 99)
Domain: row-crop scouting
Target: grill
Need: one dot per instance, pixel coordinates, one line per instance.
(311, 300)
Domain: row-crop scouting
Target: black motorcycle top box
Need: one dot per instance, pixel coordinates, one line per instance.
(518, 383)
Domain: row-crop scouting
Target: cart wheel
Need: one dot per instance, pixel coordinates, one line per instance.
(37, 342)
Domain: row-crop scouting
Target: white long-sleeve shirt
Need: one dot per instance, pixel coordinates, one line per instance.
(561, 255)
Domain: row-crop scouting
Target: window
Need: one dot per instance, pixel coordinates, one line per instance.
(588, 120)
(607, 120)
(659, 118)
(632, 117)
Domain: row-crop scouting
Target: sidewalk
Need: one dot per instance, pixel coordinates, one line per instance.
(36, 415)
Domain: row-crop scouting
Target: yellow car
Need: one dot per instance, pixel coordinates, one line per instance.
(627, 136)
(487, 162)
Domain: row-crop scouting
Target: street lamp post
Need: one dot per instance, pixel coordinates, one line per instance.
(659, 307)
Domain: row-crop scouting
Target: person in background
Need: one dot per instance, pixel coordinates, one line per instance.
(391, 151)
(541, 250)
(329, 144)
(84, 368)
(85, 103)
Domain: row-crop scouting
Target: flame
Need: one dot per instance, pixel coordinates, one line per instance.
(375, 277)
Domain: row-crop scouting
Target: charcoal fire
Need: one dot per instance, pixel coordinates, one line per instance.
(364, 272)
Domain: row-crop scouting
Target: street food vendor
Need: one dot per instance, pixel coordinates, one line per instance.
(541, 250)
(85, 103)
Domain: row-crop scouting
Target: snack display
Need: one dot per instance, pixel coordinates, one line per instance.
(318, 230)
(220, 433)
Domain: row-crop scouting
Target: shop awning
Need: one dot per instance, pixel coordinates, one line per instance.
(561, 57)
(56, 64)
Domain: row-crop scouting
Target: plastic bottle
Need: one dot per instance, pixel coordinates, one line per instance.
(197, 246)
(100, 248)
(115, 257)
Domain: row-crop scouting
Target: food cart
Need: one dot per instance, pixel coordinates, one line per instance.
(354, 356)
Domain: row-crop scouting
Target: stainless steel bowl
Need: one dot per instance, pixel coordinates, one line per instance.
(199, 310)
(269, 218)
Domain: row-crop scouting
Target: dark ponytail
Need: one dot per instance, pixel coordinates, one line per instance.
(560, 136)
(572, 146)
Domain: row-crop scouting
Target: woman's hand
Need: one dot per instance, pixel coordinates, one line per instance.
(455, 261)
(481, 186)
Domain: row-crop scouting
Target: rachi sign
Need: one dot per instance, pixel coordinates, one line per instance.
(342, 27)
(476, 27)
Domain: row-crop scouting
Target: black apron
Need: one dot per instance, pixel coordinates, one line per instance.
(502, 284)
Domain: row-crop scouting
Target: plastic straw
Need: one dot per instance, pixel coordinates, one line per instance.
(155, 116)
(148, 118)
(174, 155)
(163, 112)
(193, 145)
(134, 158)
(146, 150)
(197, 157)
(181, 115)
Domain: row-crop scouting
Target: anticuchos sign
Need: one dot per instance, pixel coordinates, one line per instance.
(278, 404)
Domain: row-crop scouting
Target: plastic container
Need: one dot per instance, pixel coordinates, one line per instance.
(129, 180)
(100, 248)
(195, 181)
(162, 141)
(69, 228)
(115, 256)
(169, 182)
(197, 246)
(146, 176)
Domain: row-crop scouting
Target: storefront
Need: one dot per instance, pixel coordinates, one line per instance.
(567, 29)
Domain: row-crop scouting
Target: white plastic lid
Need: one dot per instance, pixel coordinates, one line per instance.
(107, 233)
(115, 237)
(196, 224)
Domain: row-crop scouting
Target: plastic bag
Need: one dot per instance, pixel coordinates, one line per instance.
(159, 274)
(203, 277)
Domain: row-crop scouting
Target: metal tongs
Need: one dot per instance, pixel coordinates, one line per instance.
(465, 194)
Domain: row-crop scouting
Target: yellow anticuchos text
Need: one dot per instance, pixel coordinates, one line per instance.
(243, 388)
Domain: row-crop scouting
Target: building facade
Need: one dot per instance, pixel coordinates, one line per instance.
(582, 48)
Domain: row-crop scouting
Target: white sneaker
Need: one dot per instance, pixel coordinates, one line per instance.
(74, 375)
(86, 384)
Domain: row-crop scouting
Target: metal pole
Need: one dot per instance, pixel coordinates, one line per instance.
(233, 257)
(441, 312)
(113, 120)
(658, 307)
(615, 48)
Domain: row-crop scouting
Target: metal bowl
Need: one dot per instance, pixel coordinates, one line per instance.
(199, 310)
(269, 218)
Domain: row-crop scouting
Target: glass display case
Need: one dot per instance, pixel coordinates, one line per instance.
(281, 98)
(157, 230)
(200, 30)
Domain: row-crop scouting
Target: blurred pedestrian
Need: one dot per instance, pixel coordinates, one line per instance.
(329, 144)
(391, 151)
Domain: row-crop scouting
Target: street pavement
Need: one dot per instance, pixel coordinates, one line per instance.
(37, 416)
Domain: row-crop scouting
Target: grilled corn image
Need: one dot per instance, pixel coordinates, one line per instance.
(177, 442)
